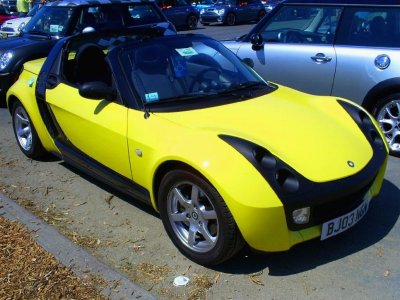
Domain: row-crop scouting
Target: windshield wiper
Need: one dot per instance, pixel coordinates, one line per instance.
(242, 90)
(38, 32)
(182, 98)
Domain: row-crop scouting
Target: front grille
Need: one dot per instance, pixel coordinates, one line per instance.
(7, 29)
(337, 207)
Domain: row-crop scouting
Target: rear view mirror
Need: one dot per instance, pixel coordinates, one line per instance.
(97, 90)
(256, 40)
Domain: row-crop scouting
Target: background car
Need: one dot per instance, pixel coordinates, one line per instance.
(180, 12)
(67, 17)
(11, 5)
(203, 4)
(333, 48)
(13, 27)
(231, 12)
(5, 14)
(181, 123)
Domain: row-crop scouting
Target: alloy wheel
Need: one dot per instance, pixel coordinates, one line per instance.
(193, 217)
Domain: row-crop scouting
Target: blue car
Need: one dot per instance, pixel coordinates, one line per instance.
(231, 12)
(203, 4)
(181, 13)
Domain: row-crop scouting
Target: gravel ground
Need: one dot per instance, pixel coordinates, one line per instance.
(359, 264)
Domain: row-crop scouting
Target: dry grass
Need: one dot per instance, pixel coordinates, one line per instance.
(29, 272)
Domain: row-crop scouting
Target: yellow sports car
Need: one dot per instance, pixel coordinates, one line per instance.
(183, 124)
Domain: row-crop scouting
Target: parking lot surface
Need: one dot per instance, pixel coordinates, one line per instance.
(361, 263)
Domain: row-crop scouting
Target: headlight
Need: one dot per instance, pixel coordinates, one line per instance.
(281, 177)
(221, 11)
(202, 11)
(22, 25)
(365, 123)
(5, 59)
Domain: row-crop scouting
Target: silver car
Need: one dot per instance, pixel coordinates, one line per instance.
(333, 48)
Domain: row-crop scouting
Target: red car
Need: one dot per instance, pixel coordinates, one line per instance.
(5, 14)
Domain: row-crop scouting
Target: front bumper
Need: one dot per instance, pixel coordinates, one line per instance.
(214, 18)
(266, 229)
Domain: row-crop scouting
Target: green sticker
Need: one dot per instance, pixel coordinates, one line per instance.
(151, 97)
(186, 51)
(54, 28)
(31, 82)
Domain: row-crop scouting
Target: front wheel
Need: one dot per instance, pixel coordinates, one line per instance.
(197, 219)
(387, 113)
(25, 133)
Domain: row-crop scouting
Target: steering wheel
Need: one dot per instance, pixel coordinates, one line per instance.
(203, 83)
(293, 37)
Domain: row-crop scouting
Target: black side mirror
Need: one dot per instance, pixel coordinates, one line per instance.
(248, 61)
(97, 90)
(256, 40)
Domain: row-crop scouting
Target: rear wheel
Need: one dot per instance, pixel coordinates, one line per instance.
(230, 19)
(197, 219)
(25, 133)
(191, 22)
(387, 113)
(261, 15)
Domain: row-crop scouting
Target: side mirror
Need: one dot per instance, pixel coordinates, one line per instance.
(97, 90)
(248, 61)
(256, 40)
(88, 29)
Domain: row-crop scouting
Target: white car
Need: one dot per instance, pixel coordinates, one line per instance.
(14, 26)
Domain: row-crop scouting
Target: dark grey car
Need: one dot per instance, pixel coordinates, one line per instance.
(333, 48)
(63, 18)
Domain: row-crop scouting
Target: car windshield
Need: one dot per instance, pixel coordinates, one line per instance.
(206, 2)
(226, 2)
(50, 21)
(183, 68)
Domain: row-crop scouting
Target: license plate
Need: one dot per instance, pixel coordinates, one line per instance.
(342, 223)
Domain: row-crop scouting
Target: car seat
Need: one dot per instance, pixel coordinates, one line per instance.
(91, 65)
(152, 74)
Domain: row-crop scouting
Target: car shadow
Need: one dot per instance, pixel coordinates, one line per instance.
(382, 216)
(109, 189)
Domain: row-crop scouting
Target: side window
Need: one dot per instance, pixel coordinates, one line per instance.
(303, 24)
(375, 27)
(141, 14)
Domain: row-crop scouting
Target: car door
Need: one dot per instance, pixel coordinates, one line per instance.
(298, 48)
(94, 130)
(368, 53)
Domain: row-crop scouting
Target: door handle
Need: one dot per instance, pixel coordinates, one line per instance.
(321, 58)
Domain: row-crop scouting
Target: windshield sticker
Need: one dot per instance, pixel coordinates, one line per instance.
(151, 97)
(54, 28)
(186, 51)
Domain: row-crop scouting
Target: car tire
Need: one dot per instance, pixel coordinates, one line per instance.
(261, 15)
(25, 133)
(197, 219)
(191, 22)
(387, 113)
(230, 19)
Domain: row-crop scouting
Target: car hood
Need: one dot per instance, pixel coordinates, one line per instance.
(36, 44)
(312, 134)
(16, 22)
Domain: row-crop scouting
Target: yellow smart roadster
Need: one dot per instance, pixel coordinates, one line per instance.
(181, 123)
